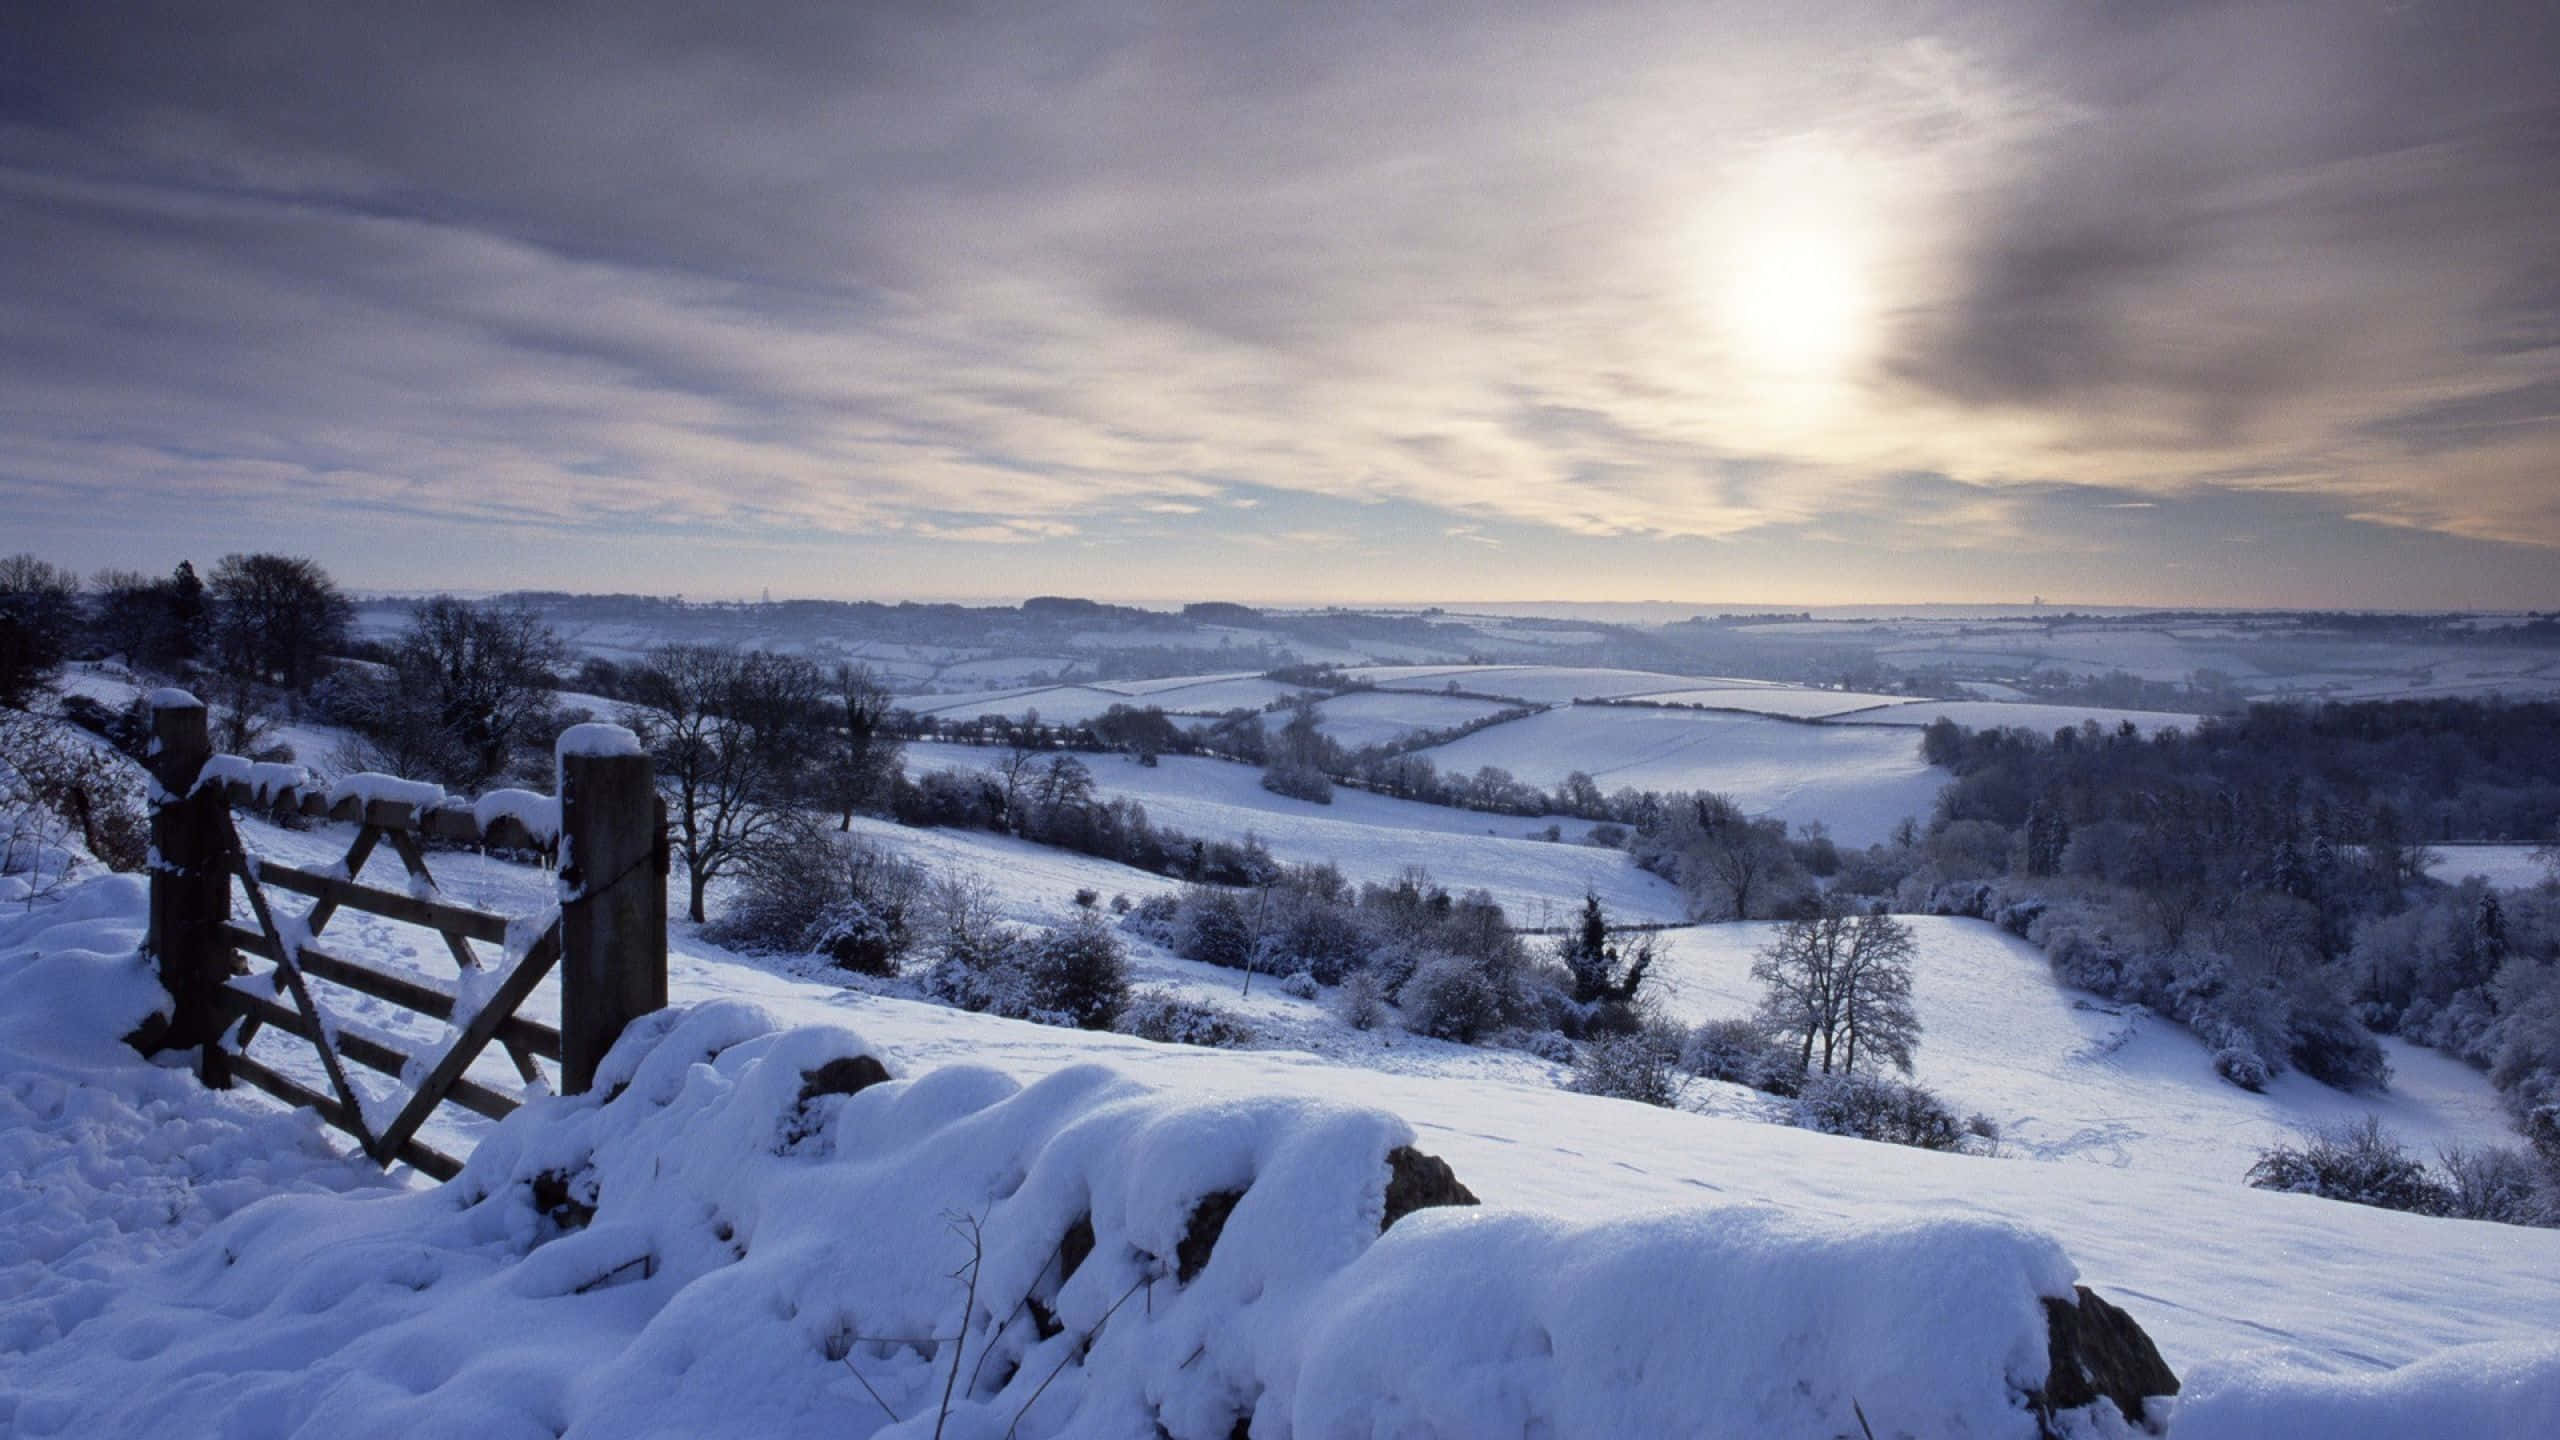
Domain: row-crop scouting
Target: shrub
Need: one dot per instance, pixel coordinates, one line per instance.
(1740, 1052)
(1872, 1108)
(1450, 997)
(1624, 1067)
(1164, 1016)
(1298, 782)
(1300, 985)
(1157, 917)
(825, 894)
(2357, 1162)
(1361, 1003)
(1076, 976)
(2242, 1066)
(1213, 929)
(2501, 1183)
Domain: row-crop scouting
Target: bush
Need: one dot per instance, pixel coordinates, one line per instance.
(2357, 1162)
(1740, 1052)
(1298, 782)
(1213, 929)
(1625, 1067)
(1871, 1108)
(2242, 1066)
(829, 895)
(1076, 976)
(1450, 997)
(1163, 1016)
(2500, 1183)
(1361, 1003)
(1300, 985)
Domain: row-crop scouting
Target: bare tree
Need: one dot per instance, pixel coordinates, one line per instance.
(720, 723)
(470, 684)
(275, 617)
(1729, 862)
(1841, 984)
(860, 754)
(39, 611)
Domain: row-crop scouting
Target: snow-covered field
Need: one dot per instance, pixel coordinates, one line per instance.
(2071, 1077)
(1379, 717)
(1788, 701)
(2001, 715)
(2505, 867)
(2258, 1300)
(1371, 837)
(1858, 781)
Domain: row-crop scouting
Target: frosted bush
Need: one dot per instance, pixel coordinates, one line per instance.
(1450, 997)
(1361, 1002)
(1164, 1016)
(1625, 1067)
(1872, 1108)
(1300, 985)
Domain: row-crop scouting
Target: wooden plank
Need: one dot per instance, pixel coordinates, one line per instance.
(434, 914)
(482, 1028)
(470, 1094)
(289, 969)
(533, 1035)
(353, 864)
(292, 1092)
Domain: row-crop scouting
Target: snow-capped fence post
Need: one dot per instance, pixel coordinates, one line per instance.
(613, 894)
(190, 886)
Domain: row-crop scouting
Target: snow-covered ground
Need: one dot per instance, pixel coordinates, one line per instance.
(2505, 867)
(1378, 717)
(2268, 1305)
(1372, 837)
(2071, 1077)
(1858, 781)
(2001, 715)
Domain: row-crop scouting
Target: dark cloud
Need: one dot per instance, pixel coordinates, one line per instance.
(1008, 272)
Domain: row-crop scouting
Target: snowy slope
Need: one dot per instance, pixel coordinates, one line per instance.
(1858, 781)
(1371, 837)
(2072, 1077)
(2000, 715)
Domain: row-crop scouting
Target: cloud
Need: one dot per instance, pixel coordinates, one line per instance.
(1618, 273)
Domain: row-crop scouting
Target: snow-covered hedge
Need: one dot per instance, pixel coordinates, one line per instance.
(757, 1232)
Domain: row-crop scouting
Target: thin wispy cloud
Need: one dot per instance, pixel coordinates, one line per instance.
(1700, 283)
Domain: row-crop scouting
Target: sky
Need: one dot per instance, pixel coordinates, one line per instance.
(1805, 303)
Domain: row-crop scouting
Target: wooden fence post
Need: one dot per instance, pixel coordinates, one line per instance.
(613, 886)
(190, 887)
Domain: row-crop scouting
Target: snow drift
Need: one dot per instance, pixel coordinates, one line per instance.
(752, 1231)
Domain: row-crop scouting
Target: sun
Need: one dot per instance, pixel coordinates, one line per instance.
(1791, 274)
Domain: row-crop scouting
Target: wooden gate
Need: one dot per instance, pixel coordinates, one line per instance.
(608, 933)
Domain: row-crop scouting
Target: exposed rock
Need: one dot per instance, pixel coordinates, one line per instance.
(2097, 1352)
(850, 1075)
(1416, 1181)
(1208, 1222)
(568, 1201)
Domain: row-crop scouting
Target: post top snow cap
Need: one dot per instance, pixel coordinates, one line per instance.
(170, 697)
(597, 738)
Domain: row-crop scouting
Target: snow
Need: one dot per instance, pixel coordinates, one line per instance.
(2505, 867)
(2074, 1078)
(719, 1290)
(597, 738)
(220, 770)
(170, 697)
(372, 787)
(1790, 702)
(539, 814)
(1379, 717)
(2481, 1392)
(1858, 782)
(1371, 837)
(1538, 684)
(1998, 715)
(415, 1313)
